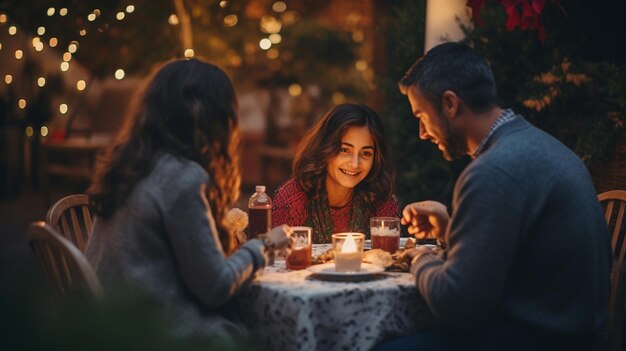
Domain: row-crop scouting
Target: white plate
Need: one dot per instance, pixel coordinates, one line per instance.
(328, 270)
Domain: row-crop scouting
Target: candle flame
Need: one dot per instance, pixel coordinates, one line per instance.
(349, 245)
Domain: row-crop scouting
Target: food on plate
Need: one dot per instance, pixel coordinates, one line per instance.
(325, 257)
(378, 257)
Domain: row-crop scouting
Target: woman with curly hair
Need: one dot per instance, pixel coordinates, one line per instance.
(161, 199)
(341, 175)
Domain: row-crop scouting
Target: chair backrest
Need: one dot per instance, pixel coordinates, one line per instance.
(68, 271)
(614, 204)
(71, 216)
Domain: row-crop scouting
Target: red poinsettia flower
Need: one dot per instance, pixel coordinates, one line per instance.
(522, 13)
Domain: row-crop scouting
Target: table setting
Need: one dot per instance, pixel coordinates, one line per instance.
(335, 298)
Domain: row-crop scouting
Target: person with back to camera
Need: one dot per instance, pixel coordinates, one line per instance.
(527, 258)
(342, 175)
(161, 200)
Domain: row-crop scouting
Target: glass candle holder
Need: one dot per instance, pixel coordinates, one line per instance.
(348, 251)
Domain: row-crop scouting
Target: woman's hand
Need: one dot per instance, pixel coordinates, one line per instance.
(426, 219)
(279, 239)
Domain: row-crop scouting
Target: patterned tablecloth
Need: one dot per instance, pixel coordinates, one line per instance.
(293, 310)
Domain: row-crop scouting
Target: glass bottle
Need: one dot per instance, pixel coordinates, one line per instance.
(259, 213)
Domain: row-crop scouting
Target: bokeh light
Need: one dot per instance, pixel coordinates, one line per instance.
(265, 44)
(189, 53)
(295, 89)
(41, 81)
(279, 6)
(119, 74)
(81, 85)
(231, 20)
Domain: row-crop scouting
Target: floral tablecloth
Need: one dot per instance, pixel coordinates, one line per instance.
(292, 310)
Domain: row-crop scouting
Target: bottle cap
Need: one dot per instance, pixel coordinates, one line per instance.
(260, 188)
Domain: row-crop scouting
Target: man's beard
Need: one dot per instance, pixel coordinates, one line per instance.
(454, 143)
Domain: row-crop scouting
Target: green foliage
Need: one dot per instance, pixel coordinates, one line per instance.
(422, 173)
(582, 103)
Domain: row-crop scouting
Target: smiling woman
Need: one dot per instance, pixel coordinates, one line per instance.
(341, 175)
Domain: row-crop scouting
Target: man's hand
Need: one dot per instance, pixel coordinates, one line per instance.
(426, 219)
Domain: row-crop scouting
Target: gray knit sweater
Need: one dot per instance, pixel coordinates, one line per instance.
(164, 242)
(527, 241)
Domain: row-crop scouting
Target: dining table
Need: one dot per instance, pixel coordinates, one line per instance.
(302, 310)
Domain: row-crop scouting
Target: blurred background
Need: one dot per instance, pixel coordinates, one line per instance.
(68, 71)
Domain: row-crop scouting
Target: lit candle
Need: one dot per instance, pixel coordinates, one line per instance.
(348, 250)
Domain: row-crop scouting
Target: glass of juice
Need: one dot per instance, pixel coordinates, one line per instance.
(385, 233)
(300, 257)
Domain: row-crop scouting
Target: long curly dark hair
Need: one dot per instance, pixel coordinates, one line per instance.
(323, 142)
(188, 109)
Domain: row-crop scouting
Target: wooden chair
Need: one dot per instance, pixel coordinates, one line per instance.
(71, 217)
(66, 268)
(614, 204)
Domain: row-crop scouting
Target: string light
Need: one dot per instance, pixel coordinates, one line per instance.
(130, 8)
(67, 57)
(29, 131)
(51, 11)
(96, 12)
(3, 18)
(81, 85)
(19, 54)
(120, 16)
(275, 38)
(91, 17)
(173, 19)
(63, 108)
(21, 103)
(12, 30)
(223, 4)
(72, 47)
(0, 46)
(189, 53)
(82, 32)
(231, 20)
(44, 131)
(63, 12)
(361, 65)
(270, 24)
(8, 79)
(53, 42)
(36, 41)
(279, 6)
(41, 81)
(119, 74)
(295, 89)
(65, 66)
(39, 46)
(41, 30)
(265, 44)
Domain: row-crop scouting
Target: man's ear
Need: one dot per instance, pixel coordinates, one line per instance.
(449, 104)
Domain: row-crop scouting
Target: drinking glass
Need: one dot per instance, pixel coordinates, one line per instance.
(300, 257)
(385, 233)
